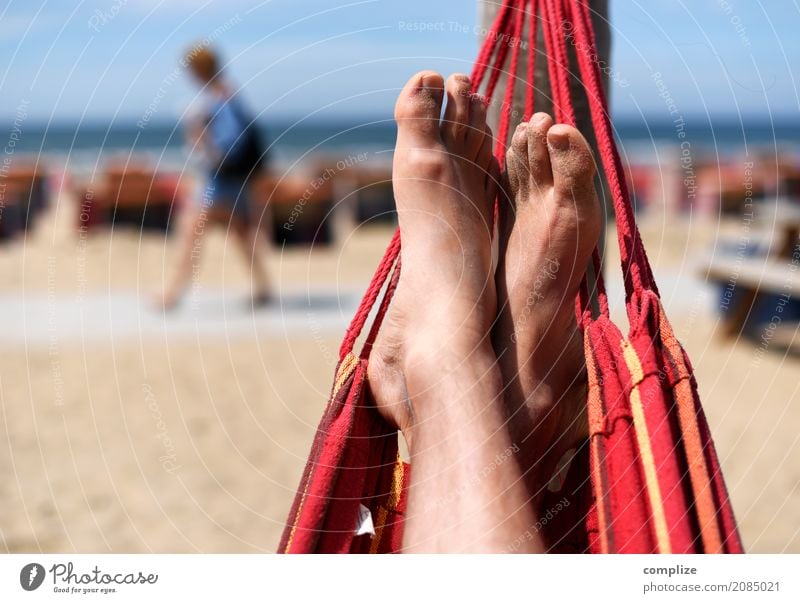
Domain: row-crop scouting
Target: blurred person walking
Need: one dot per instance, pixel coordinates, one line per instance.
(231, 156)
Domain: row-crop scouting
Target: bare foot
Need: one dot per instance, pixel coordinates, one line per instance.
(445, 180)
(166, 301)
(549, 227)
(260, 299)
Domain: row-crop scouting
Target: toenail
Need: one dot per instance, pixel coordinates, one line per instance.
(558, 140)
(430, 82)
(479, 101)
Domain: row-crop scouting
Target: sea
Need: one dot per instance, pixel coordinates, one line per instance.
(84, 148)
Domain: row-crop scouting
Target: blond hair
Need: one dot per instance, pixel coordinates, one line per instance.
(203, 61)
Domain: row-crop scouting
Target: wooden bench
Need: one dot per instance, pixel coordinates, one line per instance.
(751, 285)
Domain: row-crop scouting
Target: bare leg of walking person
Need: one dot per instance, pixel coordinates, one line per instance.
(253, 246)
(191, 232)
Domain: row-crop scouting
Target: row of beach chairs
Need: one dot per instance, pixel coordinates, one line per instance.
(316, 205)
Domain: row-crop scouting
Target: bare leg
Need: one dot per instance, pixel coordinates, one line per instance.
(548, 228)
(252, 245)
(190, 242)
(433, 371)
(467, 493)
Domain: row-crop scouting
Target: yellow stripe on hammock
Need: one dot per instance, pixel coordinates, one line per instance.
(391, 504)
(645, 450)
(695, 455)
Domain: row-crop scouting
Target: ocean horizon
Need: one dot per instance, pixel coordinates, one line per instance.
(82, 146)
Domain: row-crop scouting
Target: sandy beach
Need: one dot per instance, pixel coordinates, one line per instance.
(126, 431)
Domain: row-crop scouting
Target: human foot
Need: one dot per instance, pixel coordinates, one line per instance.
(549, 225)
(445, 180)
(167, 301)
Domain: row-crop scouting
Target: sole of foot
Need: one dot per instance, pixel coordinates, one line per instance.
(550, 222)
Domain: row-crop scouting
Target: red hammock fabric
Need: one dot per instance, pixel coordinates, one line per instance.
(648, 479)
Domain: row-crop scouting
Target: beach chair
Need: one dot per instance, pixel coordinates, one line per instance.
(295, 208)
(133, 195)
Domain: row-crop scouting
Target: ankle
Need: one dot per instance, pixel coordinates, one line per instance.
(440, 376)
(434, 354)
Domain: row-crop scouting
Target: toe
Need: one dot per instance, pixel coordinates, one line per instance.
(418, 108)
(492, 184)
(519, 141)
(487, 164)
(485, 156)
(477, 126)
(511, 173)
(506, 208)
(456, 115)
(572, 163)
(517, 162)
(538, 156)
(573, 185)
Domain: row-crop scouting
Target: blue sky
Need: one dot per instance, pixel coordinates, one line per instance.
(112, 59)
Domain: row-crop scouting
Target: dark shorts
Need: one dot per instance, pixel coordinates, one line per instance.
(227, 194)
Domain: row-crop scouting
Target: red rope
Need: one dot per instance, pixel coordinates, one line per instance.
(600, 285)
(368, 301)
(489, 46)
(559, 63)
(550, 54)
(382, 310)
(507, 109)
(502, 52)
(530, 93)
(636, 269)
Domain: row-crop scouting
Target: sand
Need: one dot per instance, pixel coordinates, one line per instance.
(123, 431)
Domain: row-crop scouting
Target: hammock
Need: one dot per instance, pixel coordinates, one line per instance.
(648, 479)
